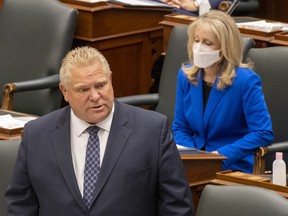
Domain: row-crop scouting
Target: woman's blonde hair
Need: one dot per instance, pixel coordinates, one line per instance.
(221, 26)
(81, 57)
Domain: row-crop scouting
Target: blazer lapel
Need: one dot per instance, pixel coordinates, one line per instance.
(214, 98)
(62, 147)
(197, 98)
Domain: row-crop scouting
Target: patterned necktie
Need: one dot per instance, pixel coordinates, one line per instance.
(92, 165)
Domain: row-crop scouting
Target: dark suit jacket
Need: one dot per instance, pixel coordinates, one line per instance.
(141, 173)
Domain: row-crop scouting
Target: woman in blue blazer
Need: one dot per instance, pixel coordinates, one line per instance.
(220, 106)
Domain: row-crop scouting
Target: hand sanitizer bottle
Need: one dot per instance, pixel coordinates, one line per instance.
(204, 7)
(279, 170)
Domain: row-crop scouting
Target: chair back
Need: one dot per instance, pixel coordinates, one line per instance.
(176, 55)
(34, 37)
(8, 154)
(240, 200)
(246, 8)
(272, 66)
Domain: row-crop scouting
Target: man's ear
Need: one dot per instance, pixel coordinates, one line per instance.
(110, 76)
(64, 91)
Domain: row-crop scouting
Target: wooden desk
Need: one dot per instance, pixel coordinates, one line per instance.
(6, 134)
(200, 167)
(238, 178)
(129, 37)
(262, 39)
(280, 39)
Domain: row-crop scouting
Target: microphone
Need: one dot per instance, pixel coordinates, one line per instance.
(233, 6)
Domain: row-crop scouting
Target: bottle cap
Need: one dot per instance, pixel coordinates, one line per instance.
(279, 155)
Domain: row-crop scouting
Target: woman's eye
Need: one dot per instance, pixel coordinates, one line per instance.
(208, 43)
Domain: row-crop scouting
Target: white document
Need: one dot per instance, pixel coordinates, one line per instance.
(183, 148)
(8, 122)
(264, 26)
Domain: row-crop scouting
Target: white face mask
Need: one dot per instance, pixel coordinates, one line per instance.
(204, 56)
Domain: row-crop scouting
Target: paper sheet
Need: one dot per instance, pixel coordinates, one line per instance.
(183, 148)
(8, 122)
(264, 26)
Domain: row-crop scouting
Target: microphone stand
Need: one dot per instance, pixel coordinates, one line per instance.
(233, 6)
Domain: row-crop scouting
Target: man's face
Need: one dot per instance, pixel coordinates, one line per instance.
(89, 93)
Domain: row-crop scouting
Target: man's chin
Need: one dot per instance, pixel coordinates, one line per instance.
(95, 116)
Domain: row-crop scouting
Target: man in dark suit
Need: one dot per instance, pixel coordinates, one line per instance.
(141, 173)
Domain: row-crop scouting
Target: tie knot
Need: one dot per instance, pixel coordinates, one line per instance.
(93, 130)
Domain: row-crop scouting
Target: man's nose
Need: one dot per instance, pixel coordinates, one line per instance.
(94, 94)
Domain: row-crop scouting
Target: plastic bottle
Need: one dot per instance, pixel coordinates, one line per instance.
(204, 7)
(279, 170)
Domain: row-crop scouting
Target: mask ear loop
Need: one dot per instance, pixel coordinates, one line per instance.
(220, 54)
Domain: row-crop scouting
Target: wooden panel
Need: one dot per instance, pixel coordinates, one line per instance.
(200, 168)
(130, 38)
(200, 165)
(131, 58)
(273, 10)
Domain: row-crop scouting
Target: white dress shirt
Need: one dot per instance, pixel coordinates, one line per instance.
(79, 138)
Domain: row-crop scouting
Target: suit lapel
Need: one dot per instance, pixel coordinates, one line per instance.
(62, 147)
(116, 142)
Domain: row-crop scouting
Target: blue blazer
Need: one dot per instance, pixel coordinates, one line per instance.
(235, 122)
(141, 172)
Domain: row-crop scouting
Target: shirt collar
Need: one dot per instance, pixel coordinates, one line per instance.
(79, 126)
